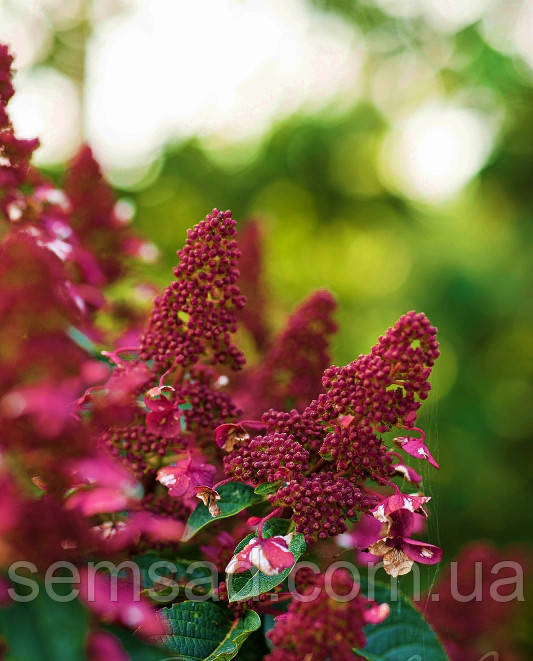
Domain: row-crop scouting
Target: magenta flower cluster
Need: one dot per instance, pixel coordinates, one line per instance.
(196, 314)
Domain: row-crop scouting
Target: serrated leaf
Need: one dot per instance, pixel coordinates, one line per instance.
(234, 497)
(207, 631)
(164, 577)
(44, 628)
(267, 488)
(404, 634)
(253, 582)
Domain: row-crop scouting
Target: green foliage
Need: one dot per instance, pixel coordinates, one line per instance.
(234, 497)
(404, 634)
(45, 629)
(160, 579)
(207, 631)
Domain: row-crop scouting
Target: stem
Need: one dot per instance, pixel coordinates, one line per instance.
(222, 482)
(388, 483)
(420, 431)
(81, 400)
(165, 374)
(274, 512)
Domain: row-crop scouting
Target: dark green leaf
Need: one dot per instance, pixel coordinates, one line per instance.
(207, 631)
(45, 629)
(234, 497)
(403, 635)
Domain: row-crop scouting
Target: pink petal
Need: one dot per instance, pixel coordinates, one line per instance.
(104, 471)
(241, 560)
(397, 502)
(103, 646)
(376, 613)
(416, 448)
(155, 399)
(203, 474)
(366, 531)
(402, 523)
(125, 605)
(158, 528)
(426, 554)
(409, 474)
(221, 433)
(99, 500)
(165, 422)
(277, 554)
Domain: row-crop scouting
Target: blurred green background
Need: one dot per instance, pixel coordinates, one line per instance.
(408, 186)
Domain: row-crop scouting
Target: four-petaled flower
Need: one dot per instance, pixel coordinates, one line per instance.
(230, 434)
(164, 418)
(102, 485)
(386, 531)
(271, 556)
(182, 478)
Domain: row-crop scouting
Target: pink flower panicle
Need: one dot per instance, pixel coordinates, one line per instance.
(196, 315)
(210, 406)
(134, 444)
(93, 216)
(267, 459)
(380, 387)
(321, 503)
(375, 392)
(304, 429)
(15, 154)
(323, 628)
(471, 628)
(291, 370)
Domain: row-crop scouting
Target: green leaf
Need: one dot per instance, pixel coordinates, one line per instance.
(253, 582)
(44, 628)
(403, 635)
(161, 574)
(234, 497)
(207, 631)
(267, 488)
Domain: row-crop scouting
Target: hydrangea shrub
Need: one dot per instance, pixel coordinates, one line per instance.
(170, 450)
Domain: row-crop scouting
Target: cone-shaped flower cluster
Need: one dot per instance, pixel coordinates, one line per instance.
(196, 315)
(325, 627)
(291, 371)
